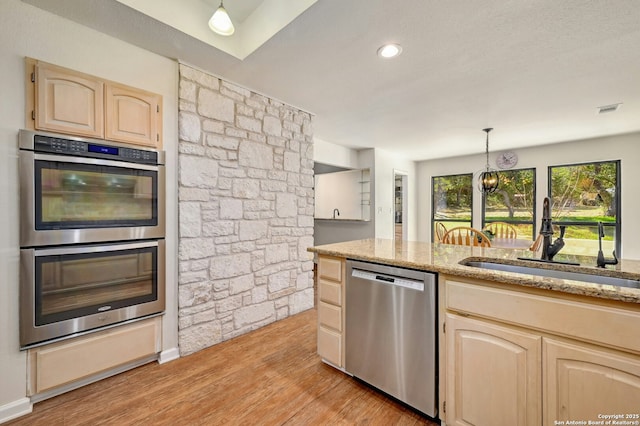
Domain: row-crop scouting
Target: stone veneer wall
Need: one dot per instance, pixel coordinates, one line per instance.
(246, 206)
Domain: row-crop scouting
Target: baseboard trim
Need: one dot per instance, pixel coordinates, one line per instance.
(168, 355)
(15, 409)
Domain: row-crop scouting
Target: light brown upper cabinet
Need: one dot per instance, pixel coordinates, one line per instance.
(66, 101)
(132, 115)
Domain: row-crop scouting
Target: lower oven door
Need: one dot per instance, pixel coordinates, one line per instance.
(66, 291)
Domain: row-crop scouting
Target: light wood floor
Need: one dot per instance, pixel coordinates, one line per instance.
(271, 376)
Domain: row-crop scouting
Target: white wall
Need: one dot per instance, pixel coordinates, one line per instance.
(386, 164)
(29, 31)
(342, 191)
(621, 147)
(336, 155)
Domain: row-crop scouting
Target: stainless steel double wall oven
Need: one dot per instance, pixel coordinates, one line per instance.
(92, 231)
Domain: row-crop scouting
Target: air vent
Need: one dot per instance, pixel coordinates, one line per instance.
(608, 108)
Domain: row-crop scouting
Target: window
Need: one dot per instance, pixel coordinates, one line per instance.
(583, 195)
(452, 199)
(513, 202)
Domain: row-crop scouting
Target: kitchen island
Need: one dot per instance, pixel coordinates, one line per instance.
(513, 348)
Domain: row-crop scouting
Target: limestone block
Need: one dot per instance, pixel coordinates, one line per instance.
(272, 125)
(203, 79)
(213, 105)
(199, 336)
(286, 205)
(189, 217)
(252, 230)
(230, 266)
(196, 248)
(303, 244)
(193, 194)
(189, 127)
(204, 316)
(230, 209)
(259, 294)
(241, 284)
(188, 90)
(279, 281)
(221, 141)
(213, 126)
(291, 162)
(194, 293)
(276, 253)
(249, 123)
(253, 314)
(191, 149)
(301, 301)
(218, 228)
(198, 171)
(229, 304)
(246, 188)
(258, 155)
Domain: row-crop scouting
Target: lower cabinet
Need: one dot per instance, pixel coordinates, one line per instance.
(584, 382)
(331, 291)
(493, 375)
(60, 364)
(513, 359)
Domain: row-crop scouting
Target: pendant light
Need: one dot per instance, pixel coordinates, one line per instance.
(488, 179)
(220, 22)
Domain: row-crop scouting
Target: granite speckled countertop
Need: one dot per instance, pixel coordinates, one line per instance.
(445, 258)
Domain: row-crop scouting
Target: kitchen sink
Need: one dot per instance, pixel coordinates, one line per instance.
(590, 276)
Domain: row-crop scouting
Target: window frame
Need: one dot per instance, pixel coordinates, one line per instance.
(618, 223)
(515, 222)
(433, 203)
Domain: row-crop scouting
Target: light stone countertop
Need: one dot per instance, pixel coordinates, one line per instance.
(445, 258)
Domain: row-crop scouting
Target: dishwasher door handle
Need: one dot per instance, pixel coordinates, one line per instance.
(388, 280)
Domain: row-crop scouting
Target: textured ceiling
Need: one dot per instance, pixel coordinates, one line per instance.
(535, 71)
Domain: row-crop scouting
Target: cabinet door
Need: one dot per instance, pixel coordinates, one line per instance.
(68, 102)
(132, 115)
(493, 374)
(582, 382)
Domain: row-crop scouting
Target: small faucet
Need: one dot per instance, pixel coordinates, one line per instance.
(336, 212)
(601, 261)
(549, 250)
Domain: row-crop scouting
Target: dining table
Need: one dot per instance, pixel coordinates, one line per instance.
(511, 243)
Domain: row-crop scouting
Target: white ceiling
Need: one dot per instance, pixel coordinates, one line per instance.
(535, 71)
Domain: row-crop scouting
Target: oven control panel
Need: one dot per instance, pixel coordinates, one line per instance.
(42, 143)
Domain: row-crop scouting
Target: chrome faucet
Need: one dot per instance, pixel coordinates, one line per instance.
(601, 261)
(336, 212)
(549, 250)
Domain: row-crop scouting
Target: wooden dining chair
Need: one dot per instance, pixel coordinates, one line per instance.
(502, 230)
(440, 231)
(465, 236)
(537, 244)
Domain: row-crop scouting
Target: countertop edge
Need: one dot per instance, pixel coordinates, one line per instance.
(580, 288)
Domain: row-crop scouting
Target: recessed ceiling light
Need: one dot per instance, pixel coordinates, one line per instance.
(389, 50)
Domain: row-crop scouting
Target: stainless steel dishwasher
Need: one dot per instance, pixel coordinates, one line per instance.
(391, 332)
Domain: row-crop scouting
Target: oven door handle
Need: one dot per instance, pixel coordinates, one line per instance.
(103, 248)
(93, 161)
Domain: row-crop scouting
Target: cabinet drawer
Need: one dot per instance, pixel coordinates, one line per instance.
(61, 363)
(608, 326)
(330, 345)
(330, 268)
(330, 292)
(330, 316)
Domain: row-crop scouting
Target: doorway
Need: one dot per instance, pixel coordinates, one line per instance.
(400, 193)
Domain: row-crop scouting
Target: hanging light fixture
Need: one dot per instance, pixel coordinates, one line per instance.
(488, 179)
(220, 22)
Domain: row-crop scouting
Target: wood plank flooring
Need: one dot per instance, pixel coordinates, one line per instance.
(271, 376)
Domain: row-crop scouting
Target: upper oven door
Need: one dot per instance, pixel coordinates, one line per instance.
(68, 200)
